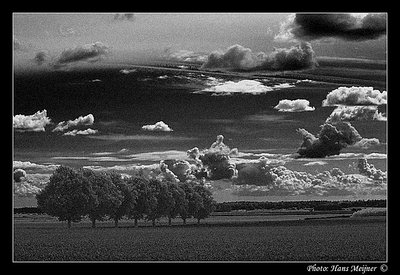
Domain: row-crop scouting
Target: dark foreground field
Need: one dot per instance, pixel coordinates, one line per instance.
(338, 239)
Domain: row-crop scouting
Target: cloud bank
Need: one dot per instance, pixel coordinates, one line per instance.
(265, 176)
(27, 165)
(170, 170)
(355, 96)
(260, 179)
(297, 105)
(238, 57)
(158, 126)
(35, 122)
(351, 27)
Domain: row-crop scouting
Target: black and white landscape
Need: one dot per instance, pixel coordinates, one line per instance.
(202, 136)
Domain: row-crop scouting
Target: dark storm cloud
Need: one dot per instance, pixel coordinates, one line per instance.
(89, 53)
(19, 174)
(238, 57)
(344, 26)
(331, 139)
(215, 162)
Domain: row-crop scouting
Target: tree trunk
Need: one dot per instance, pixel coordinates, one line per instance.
(136, 223)
(198, 221)
(184, 221)
(153, 222)
(169, 221)
(69, 223)
(116, 222)
(93, 223)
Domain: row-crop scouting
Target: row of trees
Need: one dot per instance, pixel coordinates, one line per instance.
(73, 194)
(316, 205)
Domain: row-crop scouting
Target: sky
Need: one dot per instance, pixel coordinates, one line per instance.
(79, 100)
(144, 34)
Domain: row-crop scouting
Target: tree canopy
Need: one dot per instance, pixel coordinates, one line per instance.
(73, 194)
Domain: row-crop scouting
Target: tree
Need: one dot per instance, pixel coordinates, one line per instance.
(66, 196)
(105, 196)
(178, 201)
(158, 200)
(204, 203)
(195, 205)
(128, 197)
(186, 206)
(140, 188)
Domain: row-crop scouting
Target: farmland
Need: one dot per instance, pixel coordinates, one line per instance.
(243, 239)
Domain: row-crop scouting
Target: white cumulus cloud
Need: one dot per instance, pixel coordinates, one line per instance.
(127, 71)
(353, 113)
(355, 96)
(158, 126)
(297, 105)
(81, 120)
(76, 132)
(366, 143)
(30, 184)
(27, 165)
(35, 122)
(264, 178)
(246, 86)
(313, 163)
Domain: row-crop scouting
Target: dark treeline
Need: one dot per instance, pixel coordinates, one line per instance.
(27, 210)
(249, 205)
(72, 195)
(315, 205)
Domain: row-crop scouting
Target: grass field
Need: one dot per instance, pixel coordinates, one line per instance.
(338, 239)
